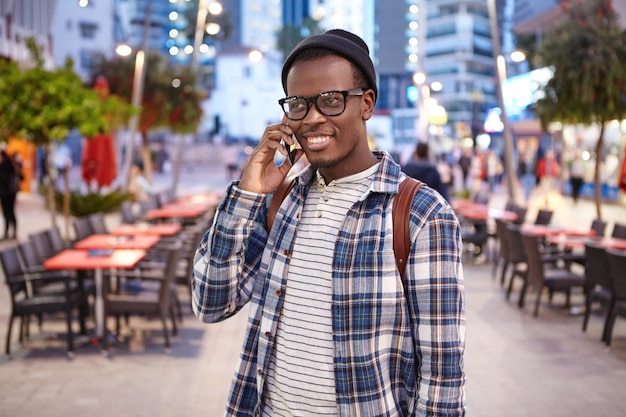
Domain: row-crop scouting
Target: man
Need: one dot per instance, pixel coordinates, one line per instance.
(333, 329)
(421, 169)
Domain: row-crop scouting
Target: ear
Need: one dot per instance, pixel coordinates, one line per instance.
(367, 104)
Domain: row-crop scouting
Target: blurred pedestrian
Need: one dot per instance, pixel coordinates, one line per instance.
(422, 169)
(465, 163)
(9, 185)
(138, 185)
(526, 171)
(547, 173)
(576, 173)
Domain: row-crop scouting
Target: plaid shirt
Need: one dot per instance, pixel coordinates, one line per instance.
(399, 343)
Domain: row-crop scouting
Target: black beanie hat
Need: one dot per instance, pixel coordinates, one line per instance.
(343, 43)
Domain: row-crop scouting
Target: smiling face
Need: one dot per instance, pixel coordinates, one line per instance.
(336, 145)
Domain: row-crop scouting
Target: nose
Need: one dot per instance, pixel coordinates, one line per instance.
(314, 115)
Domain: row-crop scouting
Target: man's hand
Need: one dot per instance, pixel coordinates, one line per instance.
(261, 175)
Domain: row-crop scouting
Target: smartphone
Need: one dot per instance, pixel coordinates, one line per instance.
(292, 150)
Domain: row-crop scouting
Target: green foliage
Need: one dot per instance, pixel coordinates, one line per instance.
(289, 36)
(44, 105)
(85, 204)
(587, 52)
(163, 104)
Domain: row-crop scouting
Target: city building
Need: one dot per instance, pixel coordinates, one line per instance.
(81, 31)
(20, 20)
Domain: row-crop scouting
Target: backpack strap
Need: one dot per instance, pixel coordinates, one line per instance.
(401, 221)
(401, 215)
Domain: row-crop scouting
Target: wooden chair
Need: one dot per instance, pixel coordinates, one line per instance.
(26, 303)
(544, 216)
(619, 231)
(517, 258)
(127, 213)
(597, 280)
(97, 223)
(82, 228)
(617, 265)
(538, 276)
(151, 293)
(599, 227)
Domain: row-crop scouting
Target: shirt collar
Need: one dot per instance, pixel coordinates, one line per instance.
(387, 179)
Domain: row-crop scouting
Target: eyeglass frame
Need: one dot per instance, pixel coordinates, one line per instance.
(359, 91)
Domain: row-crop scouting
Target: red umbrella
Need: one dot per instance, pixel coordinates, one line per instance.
(99, 161)
(622, 176)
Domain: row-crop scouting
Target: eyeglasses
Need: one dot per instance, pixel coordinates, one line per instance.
(330, 103)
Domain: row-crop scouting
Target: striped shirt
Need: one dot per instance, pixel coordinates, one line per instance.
(301, 377)
(398, 343)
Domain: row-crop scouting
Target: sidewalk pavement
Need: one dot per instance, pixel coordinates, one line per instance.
(517, 365)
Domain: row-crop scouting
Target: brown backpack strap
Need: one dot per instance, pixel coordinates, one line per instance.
(278, 197)
(401, 221)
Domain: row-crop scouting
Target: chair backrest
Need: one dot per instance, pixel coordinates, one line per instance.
(41, 244)
(97, 223)
(128, 215)
(619, 231)
(151, 203)
(598, 226)
(597, 271)
(481, 198)
(543, 216)
(521, 214)
(12, 267)
(82, 227)
(514, 240)
(169, 274)
(535, 275)
(510, 205)
(503, 239)
(29, 255)
(55, 239)
(617, 264)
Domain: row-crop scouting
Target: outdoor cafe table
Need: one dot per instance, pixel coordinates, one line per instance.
(81, 259)
(117, 242)
(159, 229)
(209, 197)
(573, 242)
(475, 211)
(179, 210)
(542, 230)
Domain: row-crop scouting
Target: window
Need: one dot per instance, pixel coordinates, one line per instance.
(88, 30)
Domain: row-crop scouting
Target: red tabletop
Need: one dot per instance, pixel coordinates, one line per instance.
(80, 259)
(579, 242)
(177, 210)
(542, 230)
(117, 242)
(160, 229)
(474, 211)
(211, 198)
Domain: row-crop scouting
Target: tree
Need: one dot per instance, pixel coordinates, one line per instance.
(170, 98)
(289, 35)
(43, 106)
(587, 52)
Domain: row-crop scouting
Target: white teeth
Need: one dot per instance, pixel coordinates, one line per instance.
(318, 139)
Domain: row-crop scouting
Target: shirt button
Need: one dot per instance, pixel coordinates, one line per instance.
(260, 372)
(279, 293)
(286, 252)
(267, 334)
(318, 214)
